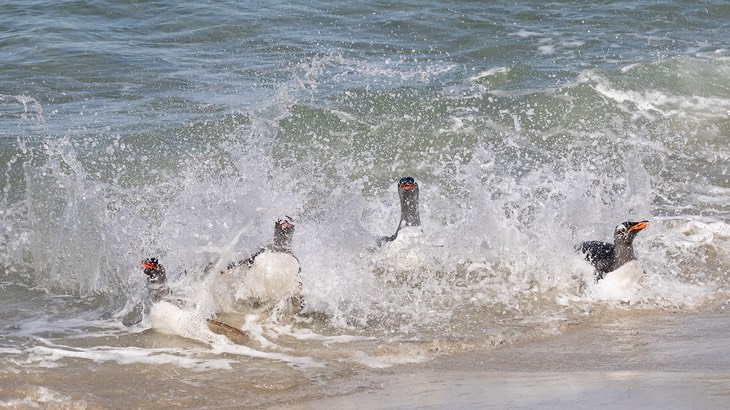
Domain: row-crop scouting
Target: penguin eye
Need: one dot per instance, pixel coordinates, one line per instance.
(621, 228)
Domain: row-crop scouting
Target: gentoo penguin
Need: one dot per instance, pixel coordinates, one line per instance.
(157, 290)
(156, 279)
(407, 250)
(616, 265)
(409, 213)
(606, 257)
(164, 319)
(272, 273)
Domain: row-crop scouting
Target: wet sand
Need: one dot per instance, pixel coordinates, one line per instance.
(618, 358)
(623, 359)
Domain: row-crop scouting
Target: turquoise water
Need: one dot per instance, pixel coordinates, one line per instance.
(184, 129)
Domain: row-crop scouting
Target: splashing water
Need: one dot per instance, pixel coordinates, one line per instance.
(512, 173)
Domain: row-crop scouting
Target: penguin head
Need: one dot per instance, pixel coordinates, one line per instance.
(283, 232)
(408, 188)
(407, 183)
(627, 231)
(153, 269)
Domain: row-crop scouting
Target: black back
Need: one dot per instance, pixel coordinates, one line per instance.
(600, 254)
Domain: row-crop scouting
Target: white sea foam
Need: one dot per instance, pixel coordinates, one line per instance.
(630, 67)
(546, 49)
(309, 335)
(649, 102)
(387, 360)
(169, 319)
(293, 360)
(526, 33)
(188, 322)
(490, 73)
(52, 355)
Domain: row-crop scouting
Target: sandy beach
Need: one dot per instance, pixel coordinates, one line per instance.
(621, 360)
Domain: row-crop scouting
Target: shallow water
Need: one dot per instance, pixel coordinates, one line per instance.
(183, 131)
(667, 359)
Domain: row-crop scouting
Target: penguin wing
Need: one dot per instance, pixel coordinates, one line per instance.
(248, 261)
(599, 254)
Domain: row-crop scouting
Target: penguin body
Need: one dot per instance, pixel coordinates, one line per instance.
(157, 291)
(617, 271)
(270, 275)
(616, 283)
(406, 249)
(405, 252)
(606, 257)
(156, 279)
(410, 216)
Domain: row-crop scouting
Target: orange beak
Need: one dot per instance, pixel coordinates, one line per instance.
(407, 186)
(148, 265)
(639, 226)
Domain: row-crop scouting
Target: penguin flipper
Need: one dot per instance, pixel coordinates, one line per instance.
(248, 262)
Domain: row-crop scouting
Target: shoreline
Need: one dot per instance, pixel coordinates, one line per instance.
(620, 359)
(616, 358)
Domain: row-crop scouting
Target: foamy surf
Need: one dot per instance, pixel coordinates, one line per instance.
(54, 355)
(526, 139)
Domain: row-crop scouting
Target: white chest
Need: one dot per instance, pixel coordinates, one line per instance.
(272, 277)
(620, 283)
(405, 252)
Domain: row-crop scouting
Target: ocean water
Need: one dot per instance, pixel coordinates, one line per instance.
(183, 130)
